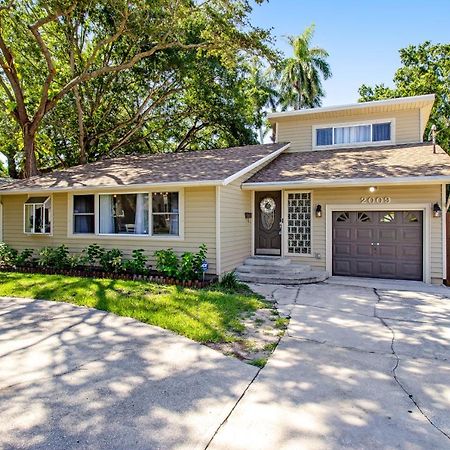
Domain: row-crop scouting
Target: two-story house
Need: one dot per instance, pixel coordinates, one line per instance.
(350, 190)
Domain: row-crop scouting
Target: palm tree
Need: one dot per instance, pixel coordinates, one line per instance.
(263, 90)
(301, 83)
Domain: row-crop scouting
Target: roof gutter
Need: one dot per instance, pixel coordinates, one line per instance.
(105, 188)
(428, 98)
(346, 182)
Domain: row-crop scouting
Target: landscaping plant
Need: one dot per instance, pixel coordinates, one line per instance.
(111, 260)
(167, 262)
(138, 263)
(57, 258)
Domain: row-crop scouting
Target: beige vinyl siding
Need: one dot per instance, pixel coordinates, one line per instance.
(199, 227)
(235, 229)
(351, 196)
(299, 130)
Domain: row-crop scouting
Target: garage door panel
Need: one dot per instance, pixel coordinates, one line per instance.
(388, 235)
(387, 251)
(342, 266)
(366, 234)
(343, 233)
(343, 250)
(364, 268)
(380, 244)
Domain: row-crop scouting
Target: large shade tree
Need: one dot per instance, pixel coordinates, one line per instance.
(103, 68)
(302, 73)
(425, 69)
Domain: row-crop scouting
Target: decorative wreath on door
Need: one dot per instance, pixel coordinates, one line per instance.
(267, 206)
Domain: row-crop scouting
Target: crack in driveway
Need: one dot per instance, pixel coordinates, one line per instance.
(397, 363)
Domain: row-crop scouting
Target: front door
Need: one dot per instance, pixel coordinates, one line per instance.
(268, 223)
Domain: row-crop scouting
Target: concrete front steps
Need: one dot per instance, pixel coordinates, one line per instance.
(275, 270)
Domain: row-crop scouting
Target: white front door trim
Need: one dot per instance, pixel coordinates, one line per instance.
(424, 207)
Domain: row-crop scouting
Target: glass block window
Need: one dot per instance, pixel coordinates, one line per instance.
(299, 223)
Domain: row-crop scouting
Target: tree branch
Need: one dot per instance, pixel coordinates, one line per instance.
(34, 28)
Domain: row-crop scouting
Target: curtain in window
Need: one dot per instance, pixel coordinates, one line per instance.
(141, 220)
(381, 132)
(106, 214)
(174, 218)
(348, 135)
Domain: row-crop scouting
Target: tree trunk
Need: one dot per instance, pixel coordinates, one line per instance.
(30, 154)
(12, 168)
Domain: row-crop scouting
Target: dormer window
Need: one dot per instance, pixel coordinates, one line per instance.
(353, 134)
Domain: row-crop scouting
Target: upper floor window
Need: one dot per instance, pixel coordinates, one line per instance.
(353, 134)
(37, 215)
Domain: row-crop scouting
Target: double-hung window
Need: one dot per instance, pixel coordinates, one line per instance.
(37, 215)
(83, 214)
(165, 213)
(353, 134)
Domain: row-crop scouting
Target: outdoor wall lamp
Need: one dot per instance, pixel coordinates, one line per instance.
(248, 215)
(437, 211)
(319, 211)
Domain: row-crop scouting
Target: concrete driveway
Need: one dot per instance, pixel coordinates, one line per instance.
(359, 368)
(79, 378)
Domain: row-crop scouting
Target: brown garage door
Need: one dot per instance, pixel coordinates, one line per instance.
(380, 244)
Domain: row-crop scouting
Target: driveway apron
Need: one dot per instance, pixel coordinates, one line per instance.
(358, 368)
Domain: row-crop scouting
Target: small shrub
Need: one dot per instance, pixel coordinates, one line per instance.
(111, 260)
(77, 261)
(8, 256)
(55, 257)
(229, 283)
(93, 253)
(167, 262)
(190, 267)
(137, 263)
(24, 257)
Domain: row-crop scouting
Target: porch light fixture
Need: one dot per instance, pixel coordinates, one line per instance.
(437, 211)
(248, 215)
(319, 211)
(372, 189)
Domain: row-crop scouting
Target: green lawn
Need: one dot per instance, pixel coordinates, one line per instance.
(204, 315)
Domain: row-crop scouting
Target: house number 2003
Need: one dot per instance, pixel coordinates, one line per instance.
(372, 200)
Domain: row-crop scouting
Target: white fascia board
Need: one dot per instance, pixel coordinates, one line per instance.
(106, 188)
(355, 106)
(348, 182)
(255, 165)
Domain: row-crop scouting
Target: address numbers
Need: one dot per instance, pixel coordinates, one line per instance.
(372, 200)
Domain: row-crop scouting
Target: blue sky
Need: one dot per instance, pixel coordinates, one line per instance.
(363, 37)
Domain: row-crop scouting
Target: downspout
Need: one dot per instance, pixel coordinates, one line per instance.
(218, 237)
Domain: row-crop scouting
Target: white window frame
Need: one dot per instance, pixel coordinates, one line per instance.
(286, 220)
(149, 236)
(34, 233)
(353, 124)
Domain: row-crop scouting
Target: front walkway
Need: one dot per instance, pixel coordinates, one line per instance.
(78, 378)
(360, 367)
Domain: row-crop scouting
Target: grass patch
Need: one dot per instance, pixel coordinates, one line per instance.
(204, 315)
(258, 362)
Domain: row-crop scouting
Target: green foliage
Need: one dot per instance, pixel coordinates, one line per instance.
(301, 84)
(137, 264)
(10, 257)
(54, 257)
(93, 253)
(425, 69)
(111, 260)
(182, 85)
(190, 266)
(167, 262)
(186, 268)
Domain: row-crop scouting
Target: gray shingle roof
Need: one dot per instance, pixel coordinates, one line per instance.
(189, 167)
(409, 160)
